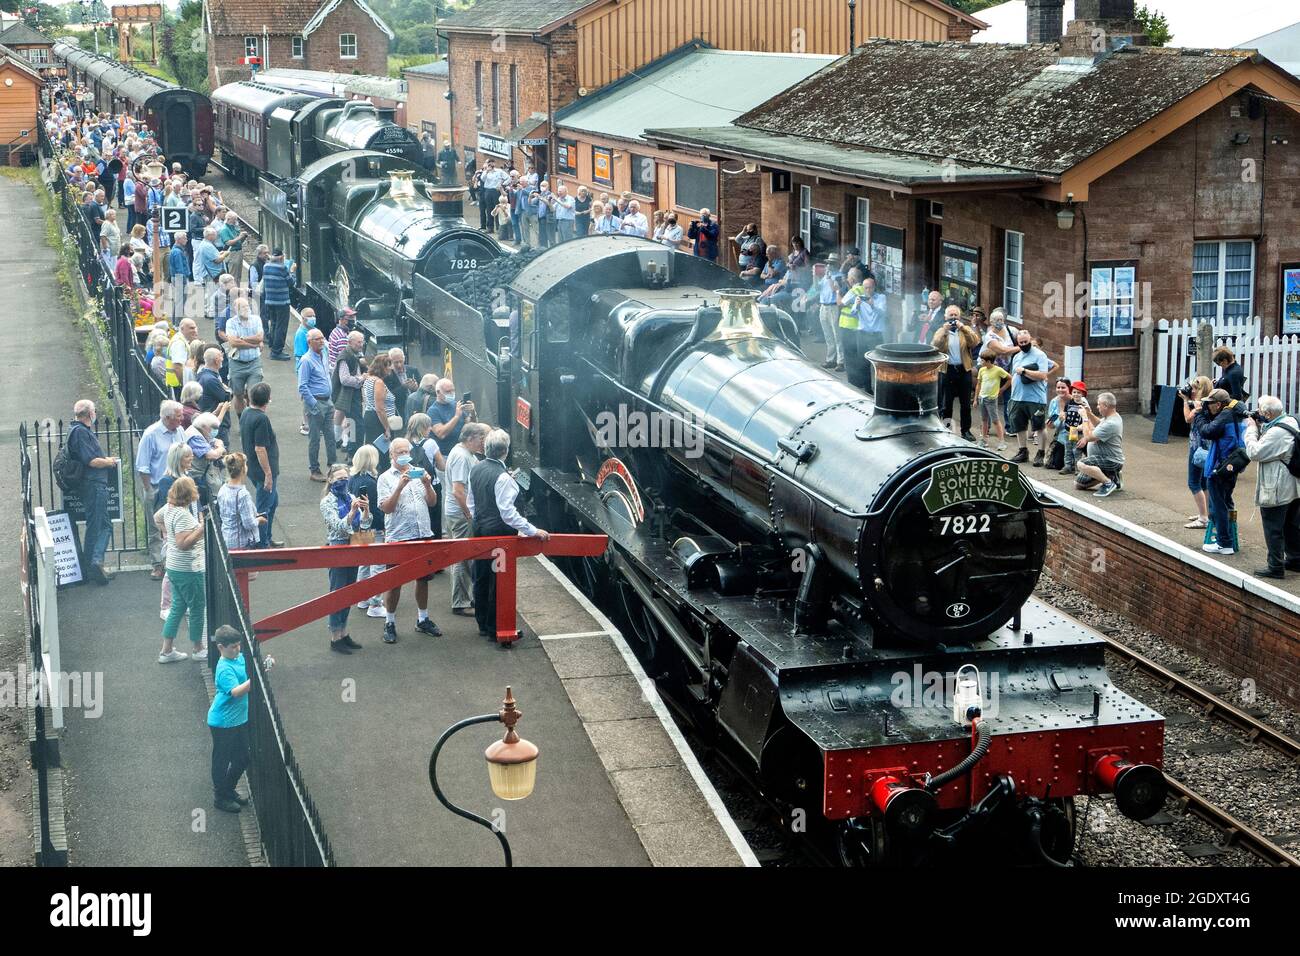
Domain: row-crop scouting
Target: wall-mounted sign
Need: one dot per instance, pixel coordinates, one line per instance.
(534, 141)
(493, 146)
(825, 233)
(1291, 299)
(602, 165)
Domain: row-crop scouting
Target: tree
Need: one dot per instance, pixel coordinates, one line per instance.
(184, 47)
(417, 39)
(1154, 24)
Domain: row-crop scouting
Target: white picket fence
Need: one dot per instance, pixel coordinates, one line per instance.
(1271, 363)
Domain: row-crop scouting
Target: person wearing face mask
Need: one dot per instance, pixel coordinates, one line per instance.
(346, 384)
(344, 514)
(405, 499)
(1000, 339)
(306, 322)
(1027, 410)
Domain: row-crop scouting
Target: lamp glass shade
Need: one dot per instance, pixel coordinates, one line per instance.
(1065, 218)
(512, 769)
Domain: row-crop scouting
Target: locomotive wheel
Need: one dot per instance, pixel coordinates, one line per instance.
(646, 635)
(861, 842)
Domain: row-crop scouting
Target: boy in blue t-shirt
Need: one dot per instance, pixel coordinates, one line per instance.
(228, 720)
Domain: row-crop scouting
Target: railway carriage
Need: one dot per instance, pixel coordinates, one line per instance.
(180, 119)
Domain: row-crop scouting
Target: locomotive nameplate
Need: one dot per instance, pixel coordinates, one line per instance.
(974, 479)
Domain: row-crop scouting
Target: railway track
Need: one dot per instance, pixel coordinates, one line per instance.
(1234, 830)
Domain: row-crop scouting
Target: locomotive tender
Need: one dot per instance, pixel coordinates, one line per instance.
(265, 128)
(180, 119)
(800, 567)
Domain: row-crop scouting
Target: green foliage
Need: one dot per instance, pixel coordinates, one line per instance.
(412, 22)
(422, 38)
(972, 6)
(184, 48)
(1155, 25)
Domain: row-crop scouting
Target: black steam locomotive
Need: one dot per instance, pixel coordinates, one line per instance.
(835, 591)
(266, 129)
(365, 228)
(180, 119)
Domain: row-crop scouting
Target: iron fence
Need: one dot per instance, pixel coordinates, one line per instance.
(291, 827)
(42, 746)
(40, 445)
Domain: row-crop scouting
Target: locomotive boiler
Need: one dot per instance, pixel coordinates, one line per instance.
(835, 590)
(363, 225)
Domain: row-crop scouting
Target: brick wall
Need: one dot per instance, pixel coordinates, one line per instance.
(1244, 633)
(322, 47)
(529, 60)
(740, 201)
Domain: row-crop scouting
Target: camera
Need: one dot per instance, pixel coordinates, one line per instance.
(1186, 391)
(1257, 417)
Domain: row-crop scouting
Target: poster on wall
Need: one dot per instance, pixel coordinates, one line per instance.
(1124, 276)
(825, 231)
(1123, 319)
(886, 258)
(1099, 320)
(1102, 284)
(602, 166)
(1291, 299)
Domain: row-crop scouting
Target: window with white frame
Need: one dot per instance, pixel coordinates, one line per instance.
(862, 227)
(347, 46)
(297, 48)
(38, 54)
(1223, 281)
(805, 215)
(1013, 275)
(250, 45)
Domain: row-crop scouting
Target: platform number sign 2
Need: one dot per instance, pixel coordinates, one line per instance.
(174, 219)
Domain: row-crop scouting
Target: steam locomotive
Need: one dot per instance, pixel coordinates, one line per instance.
(265, 128)
(180, 119)
(835, 591)
(365, 228)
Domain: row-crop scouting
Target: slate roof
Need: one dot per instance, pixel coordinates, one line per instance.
(437, 69)
(513, 16)
(21, 33)
(695, 86)
(1017, 106)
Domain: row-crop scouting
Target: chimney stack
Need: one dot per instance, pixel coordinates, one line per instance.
(1101, 27)
(1045, 20)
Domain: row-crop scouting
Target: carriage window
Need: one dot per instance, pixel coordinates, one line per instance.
(527, 325)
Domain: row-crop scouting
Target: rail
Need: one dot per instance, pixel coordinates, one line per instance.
(1235, 830)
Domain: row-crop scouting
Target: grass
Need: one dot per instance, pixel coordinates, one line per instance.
(159, 71)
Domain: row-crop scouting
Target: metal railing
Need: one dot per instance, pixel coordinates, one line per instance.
(292, 833)
(41, 442)
(41, 743)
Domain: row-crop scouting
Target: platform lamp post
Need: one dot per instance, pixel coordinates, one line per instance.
(512, 765)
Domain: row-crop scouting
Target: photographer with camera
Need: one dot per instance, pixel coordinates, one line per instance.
(1270, 440)
(1223, 432)
(1194, 413)
(959, 342)
(703, 232)
(1103, 436)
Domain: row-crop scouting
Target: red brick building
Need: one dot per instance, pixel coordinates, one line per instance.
(343, 36)
(1090, 193)
(514, 62)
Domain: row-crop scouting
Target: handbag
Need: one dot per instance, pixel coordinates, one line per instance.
(1199, 456)
(362, 537)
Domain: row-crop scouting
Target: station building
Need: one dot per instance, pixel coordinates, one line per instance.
(20, 94)
(343, 36)
(513, 64)
(1088, 192)
(427, 106)
(34, 45)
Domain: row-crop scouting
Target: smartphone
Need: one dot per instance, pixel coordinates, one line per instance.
(466, 397)
(416, 473)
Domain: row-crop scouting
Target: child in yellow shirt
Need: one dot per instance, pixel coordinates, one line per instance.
(992, 379)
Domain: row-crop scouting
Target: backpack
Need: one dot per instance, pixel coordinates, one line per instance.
(1292, 463)
(69, 473)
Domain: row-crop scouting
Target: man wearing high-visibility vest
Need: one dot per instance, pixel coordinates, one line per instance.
(855, 365)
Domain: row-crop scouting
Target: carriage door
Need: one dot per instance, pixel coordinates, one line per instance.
(525, 372)
(178, 128)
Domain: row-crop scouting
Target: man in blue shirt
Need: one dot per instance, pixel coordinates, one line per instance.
(228, 719)
(178, 270)
(873, 314)
(1027, 410)
(314, 388)
(151, 465)
(83, 446)
(704, 233)
(563, 206)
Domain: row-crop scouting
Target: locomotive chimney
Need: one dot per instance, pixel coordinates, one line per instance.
(907, 389)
